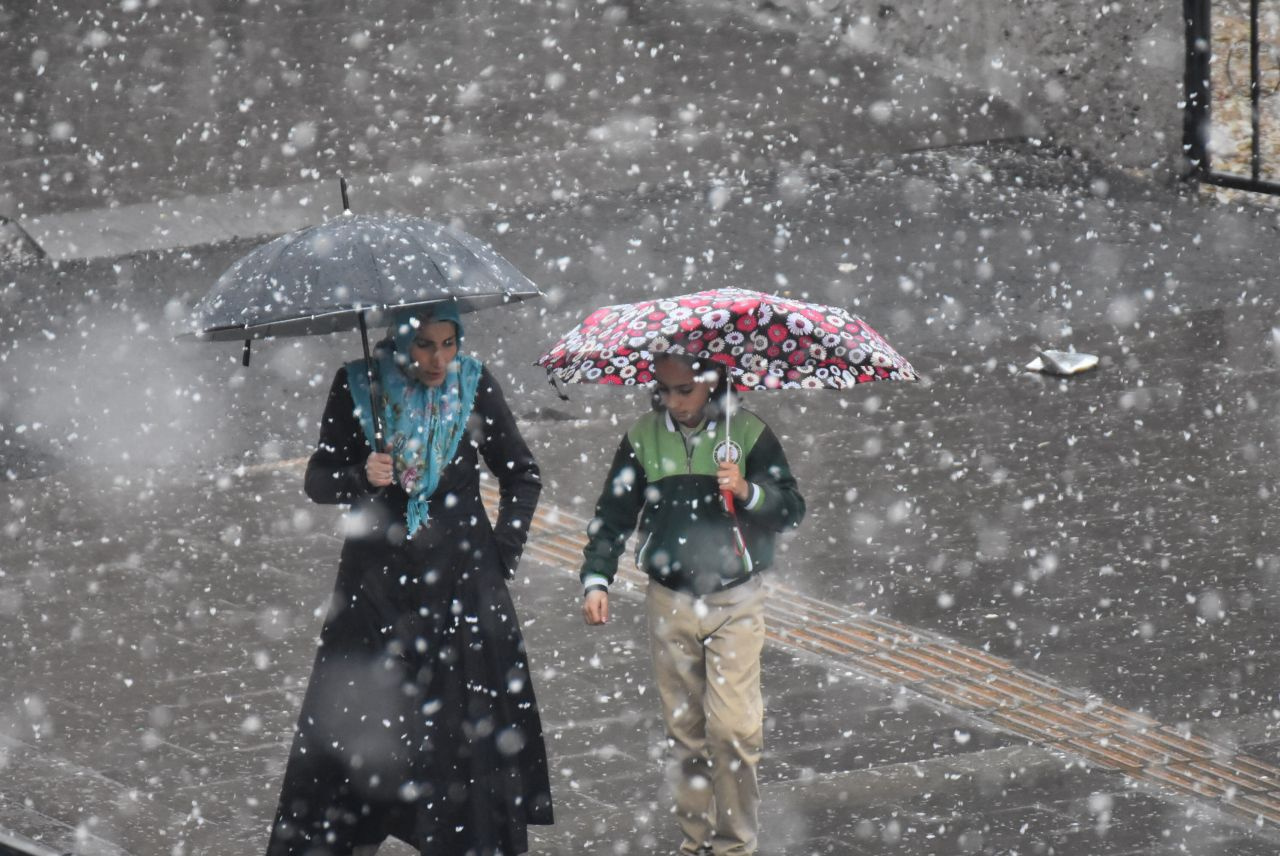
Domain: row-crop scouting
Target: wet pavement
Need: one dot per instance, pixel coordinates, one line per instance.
(136, 102)
(163, 576)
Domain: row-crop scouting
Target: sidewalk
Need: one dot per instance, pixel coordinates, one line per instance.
(171, 675)
(157, 634)
(484, 106)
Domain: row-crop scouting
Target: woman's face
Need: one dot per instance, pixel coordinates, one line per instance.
(681, 391)
(434, 346)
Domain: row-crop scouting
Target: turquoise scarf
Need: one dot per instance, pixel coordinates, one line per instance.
(422, 425)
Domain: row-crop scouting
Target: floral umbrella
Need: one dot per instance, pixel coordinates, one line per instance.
(766, 342)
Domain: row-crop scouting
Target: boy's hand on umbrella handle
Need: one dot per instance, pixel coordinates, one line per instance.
(595, 607)
(731, 480)
(377, 469)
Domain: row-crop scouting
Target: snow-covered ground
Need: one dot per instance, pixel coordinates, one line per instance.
(163, 574)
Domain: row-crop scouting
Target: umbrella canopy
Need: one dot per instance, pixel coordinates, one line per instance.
(350, 272)
(327, 278)
(765, 341)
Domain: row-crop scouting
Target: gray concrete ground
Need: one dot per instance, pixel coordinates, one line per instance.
(162, 577)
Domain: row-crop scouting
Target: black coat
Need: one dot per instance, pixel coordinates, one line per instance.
(419, 720)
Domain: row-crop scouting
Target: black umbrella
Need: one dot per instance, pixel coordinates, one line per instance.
(350, 272)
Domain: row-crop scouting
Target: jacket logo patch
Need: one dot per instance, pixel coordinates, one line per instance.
(727, 450)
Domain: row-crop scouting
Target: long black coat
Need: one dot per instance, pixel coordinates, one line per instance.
(419, 720)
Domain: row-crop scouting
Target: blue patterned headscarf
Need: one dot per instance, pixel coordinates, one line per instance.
(422, 425)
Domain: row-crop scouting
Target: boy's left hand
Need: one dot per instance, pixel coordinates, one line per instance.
(731, 480)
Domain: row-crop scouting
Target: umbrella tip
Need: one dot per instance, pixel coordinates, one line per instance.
(342, 185)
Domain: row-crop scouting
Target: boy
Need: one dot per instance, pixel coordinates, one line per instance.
(705, 599)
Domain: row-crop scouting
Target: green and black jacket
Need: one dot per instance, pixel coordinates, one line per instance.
(668, 481)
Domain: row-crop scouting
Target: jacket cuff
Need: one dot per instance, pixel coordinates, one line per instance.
(350, 484)
(510, 557)
(594, 582)
(757, 497)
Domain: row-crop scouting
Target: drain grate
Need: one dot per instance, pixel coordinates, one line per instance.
(989, 688)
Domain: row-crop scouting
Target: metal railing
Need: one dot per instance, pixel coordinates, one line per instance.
(1231, 123)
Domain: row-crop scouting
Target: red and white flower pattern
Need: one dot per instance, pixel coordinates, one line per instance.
(766, 341)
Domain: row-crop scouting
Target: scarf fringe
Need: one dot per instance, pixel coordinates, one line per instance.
(419, 514)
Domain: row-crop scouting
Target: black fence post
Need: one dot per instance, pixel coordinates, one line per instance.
(1196, 116)
(1255, 96)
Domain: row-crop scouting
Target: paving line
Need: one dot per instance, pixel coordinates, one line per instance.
(988, 688)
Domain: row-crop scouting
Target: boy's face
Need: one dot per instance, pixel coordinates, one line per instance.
(681, 391)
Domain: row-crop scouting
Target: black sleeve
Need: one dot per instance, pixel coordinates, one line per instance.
(335, 472)
(616, 511)
(781, 505)
(509, 459)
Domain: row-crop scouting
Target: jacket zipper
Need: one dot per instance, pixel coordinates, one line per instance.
(748, 564)
(688, 453)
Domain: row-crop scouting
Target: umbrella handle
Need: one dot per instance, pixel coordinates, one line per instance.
(726, 495)
(739, 544)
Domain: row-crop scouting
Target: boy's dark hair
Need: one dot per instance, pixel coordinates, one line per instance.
(721, 389)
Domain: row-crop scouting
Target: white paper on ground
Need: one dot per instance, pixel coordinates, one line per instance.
(1063, 362)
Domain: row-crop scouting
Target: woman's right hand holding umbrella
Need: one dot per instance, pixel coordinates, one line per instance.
(377, 469)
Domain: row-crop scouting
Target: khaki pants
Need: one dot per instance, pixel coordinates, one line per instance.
(706, 661)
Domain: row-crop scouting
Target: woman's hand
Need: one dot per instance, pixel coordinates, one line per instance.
(732, 480)
(595, 607)
(377, 469)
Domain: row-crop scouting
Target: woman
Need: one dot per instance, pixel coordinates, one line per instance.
(705, 598)
(419, 721)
